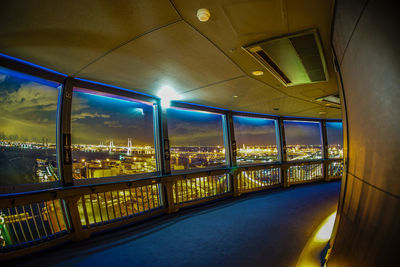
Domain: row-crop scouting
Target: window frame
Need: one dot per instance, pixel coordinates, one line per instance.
(277, 139)
(224, 115)
(134, 96)
(42, 73)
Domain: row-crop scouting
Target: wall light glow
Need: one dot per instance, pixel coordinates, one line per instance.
(310, 256)
(167, 94)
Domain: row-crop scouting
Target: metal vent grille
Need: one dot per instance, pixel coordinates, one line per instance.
(294, 59)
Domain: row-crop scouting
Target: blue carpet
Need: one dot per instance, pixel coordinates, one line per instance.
(263, 229)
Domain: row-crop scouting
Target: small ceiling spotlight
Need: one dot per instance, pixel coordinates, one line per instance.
(203, 14)
(322, 112)
(167, 94)
(257, 73)
(235, 96)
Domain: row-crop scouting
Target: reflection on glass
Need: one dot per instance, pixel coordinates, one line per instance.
(255, 139)
(303, 140)
(334, 132)
(111, 135)
(196, 139)
(28, 112)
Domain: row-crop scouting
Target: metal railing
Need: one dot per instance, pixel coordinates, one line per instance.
(190, 189)
(304, 172)
(335, 169)
(35, 220)
(257, 178)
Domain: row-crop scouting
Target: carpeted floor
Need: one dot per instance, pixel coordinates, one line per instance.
(263, 229)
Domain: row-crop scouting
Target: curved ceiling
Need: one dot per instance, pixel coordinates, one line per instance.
(142, 45)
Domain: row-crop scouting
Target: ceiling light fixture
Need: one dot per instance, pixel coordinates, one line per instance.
(235, 96)
(257, 73)
(167, 94)
(203, 14)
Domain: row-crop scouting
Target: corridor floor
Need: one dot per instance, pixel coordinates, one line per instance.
(267, 228)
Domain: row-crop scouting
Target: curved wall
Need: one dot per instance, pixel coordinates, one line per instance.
(367, 46)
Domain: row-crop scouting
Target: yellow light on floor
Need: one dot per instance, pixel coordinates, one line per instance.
(325, 231)
(309, 257)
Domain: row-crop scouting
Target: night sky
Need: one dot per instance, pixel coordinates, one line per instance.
(96, 118)
(28, 107)
(303, 133)
(335, 132)
(254, 131)
(191, 128)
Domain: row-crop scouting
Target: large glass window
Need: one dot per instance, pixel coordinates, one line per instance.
(303, 140)
(111, 135)
(196, 139)
(255, 140)
(28, 112)
(334, 132)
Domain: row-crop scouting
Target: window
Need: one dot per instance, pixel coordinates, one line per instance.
(303, 140)
(255, 139)
(111, 135)
(28, 113)
(196, 139)
(334, 132)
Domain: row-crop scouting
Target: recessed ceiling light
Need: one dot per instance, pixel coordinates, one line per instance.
(203, 14)
(257, 73)
(235, 96)
(322, 112)
(167, 94)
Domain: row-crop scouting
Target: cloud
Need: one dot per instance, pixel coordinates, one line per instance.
(113, 124)
(84, 115)
(30, 96)
(138, 111)
(2, 77)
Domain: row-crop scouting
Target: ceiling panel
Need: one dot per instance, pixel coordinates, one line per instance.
(321, 112)
(67, 35)
(175, 55)
(142, 45)
(249, 92)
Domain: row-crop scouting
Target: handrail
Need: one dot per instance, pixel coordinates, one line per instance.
(90, 188)
(73, 213)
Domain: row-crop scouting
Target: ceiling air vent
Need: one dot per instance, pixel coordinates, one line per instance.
(331, 101)
(293, 59)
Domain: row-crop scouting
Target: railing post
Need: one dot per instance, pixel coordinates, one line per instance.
(281, 145)
(169, 193)
(74, 218)
(231, 148)
(325, 155)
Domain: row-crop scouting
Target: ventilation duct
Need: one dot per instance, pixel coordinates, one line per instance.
(293, 59)
(331, 101)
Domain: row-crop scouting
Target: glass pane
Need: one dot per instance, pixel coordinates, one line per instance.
(196, 139)
(111, 135)
(28, 113)
(334, 132)
(255, 139)
(303, 140)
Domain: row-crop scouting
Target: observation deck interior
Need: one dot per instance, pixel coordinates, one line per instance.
(176, 132)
